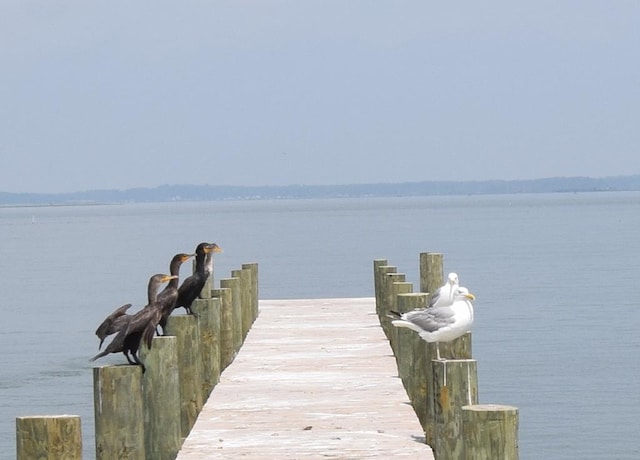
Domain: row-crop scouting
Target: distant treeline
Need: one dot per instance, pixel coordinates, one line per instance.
(166, 193)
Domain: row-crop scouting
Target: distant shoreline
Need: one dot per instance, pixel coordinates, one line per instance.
(195, 193)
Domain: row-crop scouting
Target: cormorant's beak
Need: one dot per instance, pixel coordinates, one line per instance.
(470, 296)
(167, 278)
(214, 248)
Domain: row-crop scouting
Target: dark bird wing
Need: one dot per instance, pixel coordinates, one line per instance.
(113, 323)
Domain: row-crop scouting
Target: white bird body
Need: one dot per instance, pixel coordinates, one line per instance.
(440, 324)
(443, 296)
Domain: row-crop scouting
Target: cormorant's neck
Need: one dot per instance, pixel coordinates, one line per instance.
(208, 264)
(200, 262)
(152, 292)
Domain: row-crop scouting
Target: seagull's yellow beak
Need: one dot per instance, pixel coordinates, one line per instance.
(470, 296)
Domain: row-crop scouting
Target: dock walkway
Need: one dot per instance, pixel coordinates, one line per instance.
(314, 379)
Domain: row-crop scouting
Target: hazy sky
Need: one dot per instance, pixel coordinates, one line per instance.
(125, 94)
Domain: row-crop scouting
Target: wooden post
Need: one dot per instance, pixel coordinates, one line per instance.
(397, 288)
(490, 431)
(117, 405)
(49, 437)
(455, 384)
(389, 300)
(431, 272)
(404, 349)
(245, 307)
(253, 271)
(227, 353)
(383, 295)
(410, 350)
(377, 274)
(419, 383)
(161, 396)
(185, 328)
(234, 285)
(208, 313)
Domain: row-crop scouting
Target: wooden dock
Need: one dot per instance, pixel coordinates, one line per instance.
(314, 379)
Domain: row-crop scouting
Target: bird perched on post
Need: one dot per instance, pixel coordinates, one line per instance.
(192, 286)
(169, 295)
(439, 323)
(443, 296)
(139, 327)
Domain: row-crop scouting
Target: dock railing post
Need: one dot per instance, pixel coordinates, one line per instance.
(397, 288)
(185, 329)
(244, 301)
(161, 398)
(233, 284)
(254, 296)
(389, 302)
(227, 352)
(48, 437)
(377, 263)
(118, 412)
(455, 384)
(208, 314)
(490, 431)
(381, 285)
(412, 353)
(431, 272)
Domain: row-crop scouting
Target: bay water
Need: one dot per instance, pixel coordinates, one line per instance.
(556, 276)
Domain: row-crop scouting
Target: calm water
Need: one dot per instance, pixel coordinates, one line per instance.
(556, 279)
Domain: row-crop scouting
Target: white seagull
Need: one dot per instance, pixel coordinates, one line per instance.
(439, 324)
(443, 296)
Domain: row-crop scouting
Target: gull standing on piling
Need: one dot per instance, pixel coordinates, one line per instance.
(443, 296)
(439, 323)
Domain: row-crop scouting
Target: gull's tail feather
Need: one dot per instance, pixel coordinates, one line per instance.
(408, 325)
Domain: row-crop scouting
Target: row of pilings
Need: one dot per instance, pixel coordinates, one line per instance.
(147, 415)
(443, 393)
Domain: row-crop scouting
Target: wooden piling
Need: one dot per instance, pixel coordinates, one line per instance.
(227, 352)
(208, 314)
(245, 306)
(185, 328)
(389, 299)
(161, 396)
(417, 378)
(234, 285)
(382, 285)
(397, 288)
(49, 437)
(490, 431)
(411, 352)
(405, 338)
(117, 402)
(431, 272)
(455, 384)
(377, 273)
(254, 297)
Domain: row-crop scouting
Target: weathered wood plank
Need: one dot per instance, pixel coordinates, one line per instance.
(314, 379)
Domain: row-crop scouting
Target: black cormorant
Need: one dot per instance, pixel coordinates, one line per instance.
(139, 326)
(192, 286)
(168, 296)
